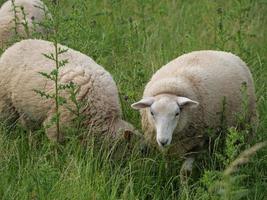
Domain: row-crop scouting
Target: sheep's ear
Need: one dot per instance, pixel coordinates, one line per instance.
(143, 103)
(184, 101)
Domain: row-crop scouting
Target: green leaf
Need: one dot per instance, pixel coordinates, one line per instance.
(62, 63)
(61, 51)
(43, 94)
(50, 56)
(46, 75)
(61, 100)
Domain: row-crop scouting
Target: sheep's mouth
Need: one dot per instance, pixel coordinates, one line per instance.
(164, 148)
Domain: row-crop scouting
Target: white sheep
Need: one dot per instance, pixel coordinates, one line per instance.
(35, 12)
(186, 96)
(20, 65)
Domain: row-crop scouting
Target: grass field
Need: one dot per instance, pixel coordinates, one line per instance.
(132, 39)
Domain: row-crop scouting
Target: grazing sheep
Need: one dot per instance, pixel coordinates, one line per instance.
(19, 67)
(186, 96)
(35, 13)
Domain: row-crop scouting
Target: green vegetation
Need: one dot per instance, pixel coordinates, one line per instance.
(132, 39)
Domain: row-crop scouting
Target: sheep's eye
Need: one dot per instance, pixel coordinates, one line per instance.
(176, 114)
(152, 113)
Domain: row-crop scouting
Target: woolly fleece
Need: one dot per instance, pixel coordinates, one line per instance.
(19, 67)
(34, 15)
(207, 77)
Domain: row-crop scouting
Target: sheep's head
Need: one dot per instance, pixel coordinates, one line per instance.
(166, 113)
(128, 141)
(126, 131)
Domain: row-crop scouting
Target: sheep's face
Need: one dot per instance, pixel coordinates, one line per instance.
(167, 113)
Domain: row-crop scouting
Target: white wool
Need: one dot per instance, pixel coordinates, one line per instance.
(205, 77)
(19, 67)
(34, 15)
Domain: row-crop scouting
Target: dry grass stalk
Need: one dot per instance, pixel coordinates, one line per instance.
(243, 158)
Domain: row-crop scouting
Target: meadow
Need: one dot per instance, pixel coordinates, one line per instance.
(132, 39)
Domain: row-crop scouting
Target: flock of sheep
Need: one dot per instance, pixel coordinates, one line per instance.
(182, 99)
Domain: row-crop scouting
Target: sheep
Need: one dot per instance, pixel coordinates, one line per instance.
(35, 12)
(186, 96)
(20, 65)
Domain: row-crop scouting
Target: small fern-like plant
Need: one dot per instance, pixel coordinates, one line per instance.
(71, 88)
(226, 185)
(25, 22)
(45, 23)
(16, 17)
(54, 74)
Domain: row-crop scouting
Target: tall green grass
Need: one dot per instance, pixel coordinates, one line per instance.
(132, 39)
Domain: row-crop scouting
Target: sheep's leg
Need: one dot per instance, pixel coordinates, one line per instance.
(2, 108)
(186, 169)
(51, 127)
(7, 111)
(27, 122)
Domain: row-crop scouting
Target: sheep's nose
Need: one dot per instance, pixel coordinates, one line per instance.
(163, 142)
